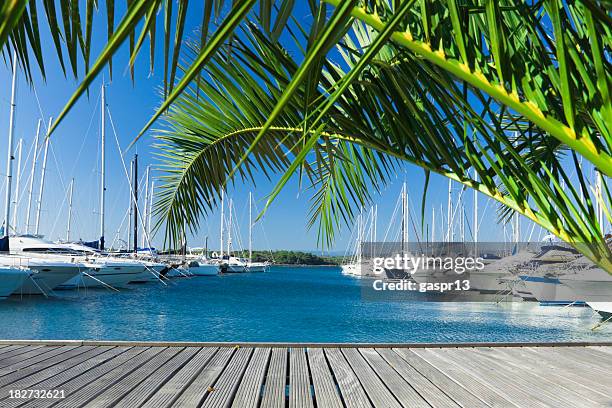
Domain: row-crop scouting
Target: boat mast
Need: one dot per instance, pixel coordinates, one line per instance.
(146, 203)
(17, 184)
(450, 212)
(102, 167)
(229, 229)
(129, 230)
(599, 200)
(433, 224)
(250, 228)
(135, 181)
(150, 213)
(375, 222)
(32, 172)
(517, 231)
(406, 215)
(69, 210)
(42, 178)
(222, 222)
(403, 223)
(475, 209)
(9, 161)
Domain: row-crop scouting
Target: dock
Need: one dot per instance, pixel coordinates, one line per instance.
(278, 375)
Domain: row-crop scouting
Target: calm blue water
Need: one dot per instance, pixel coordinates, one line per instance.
(286, 305)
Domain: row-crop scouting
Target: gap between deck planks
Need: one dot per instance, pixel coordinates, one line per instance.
(163, 375)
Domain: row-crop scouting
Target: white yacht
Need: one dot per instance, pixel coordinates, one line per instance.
(46, 273)
(497, 277)
(119, 270)
(540, 276)
(11, 279)
(591, 284)
(90, 268)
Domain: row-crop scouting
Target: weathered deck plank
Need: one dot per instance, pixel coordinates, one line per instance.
(170, 391)
(60, 380)
(539, 367)
(249, 392)
(325, 390)
(352, 392)
(225, 387)
(299, 379)
(401, 389)
(90, 391)
(276, 379)
(152, 383)
(21, 364)
(425, 388)
(47, 367)
(78, 382)
(121, 388)
(202, 385)
(304, 376)
(32, 351)
(464, 377)
(442, 380)
(376, 389)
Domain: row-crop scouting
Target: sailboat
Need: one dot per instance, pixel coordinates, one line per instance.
(227, 262)
(354, 266)
(43, 275)
(250, 265)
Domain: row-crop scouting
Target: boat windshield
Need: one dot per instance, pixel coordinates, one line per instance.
(54, 251)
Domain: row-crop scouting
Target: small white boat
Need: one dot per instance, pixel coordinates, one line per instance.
(233, 264)
(257, 266)
(351, 269)
(201, 267)
(11, 279)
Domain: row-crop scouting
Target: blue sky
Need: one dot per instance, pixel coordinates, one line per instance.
(75, 154)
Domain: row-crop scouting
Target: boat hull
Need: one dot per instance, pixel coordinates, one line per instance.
(11, 279)
(550, 292)
(595, 291)
(102, 277)
(233, 268)
(257, 267)
(204, 270)
(47, 279)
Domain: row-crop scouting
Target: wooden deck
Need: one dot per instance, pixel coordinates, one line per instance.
(158, 375)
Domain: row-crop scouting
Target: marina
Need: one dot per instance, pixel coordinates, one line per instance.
(285, 304)
(322, 204)
(299, 375)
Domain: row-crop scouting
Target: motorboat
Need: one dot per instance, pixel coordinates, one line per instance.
(46, 273)
(94, 268)
(591, 284)
(540, 276)
(202, 267)
(257, 266)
